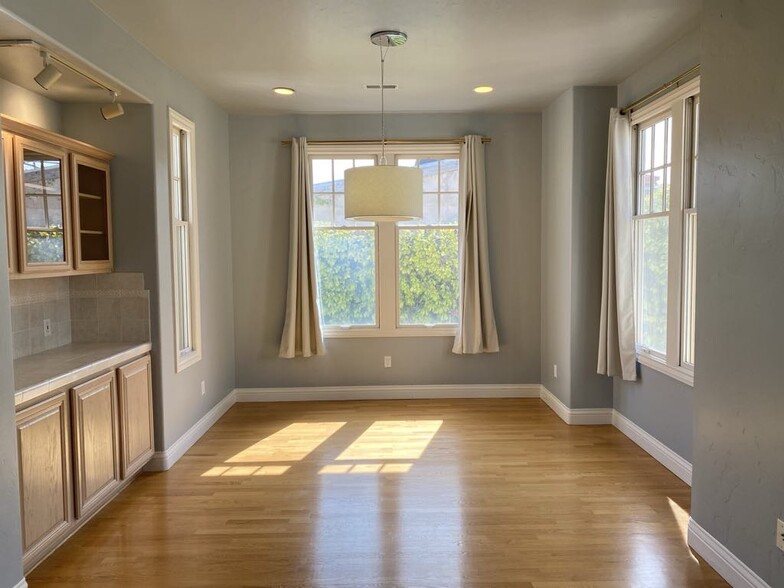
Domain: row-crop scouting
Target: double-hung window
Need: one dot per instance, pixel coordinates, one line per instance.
(185, 245)
(665, 224)
(387, 279)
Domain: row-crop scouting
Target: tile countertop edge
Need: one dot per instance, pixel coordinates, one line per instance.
(64, 380)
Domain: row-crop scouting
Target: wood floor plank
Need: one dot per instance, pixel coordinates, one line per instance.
(441, 493)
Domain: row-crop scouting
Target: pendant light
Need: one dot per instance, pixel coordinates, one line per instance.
(384, 193)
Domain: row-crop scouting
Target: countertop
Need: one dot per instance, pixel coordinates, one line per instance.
(39, 374)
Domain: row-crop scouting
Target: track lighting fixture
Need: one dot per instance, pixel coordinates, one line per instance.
(113, 110)
(49, 75)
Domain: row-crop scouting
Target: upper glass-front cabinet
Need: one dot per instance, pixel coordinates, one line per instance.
(58, 203)
(42, 207)
(92, 213)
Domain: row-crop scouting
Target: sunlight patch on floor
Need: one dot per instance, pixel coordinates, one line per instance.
(366, 468)
(392, 440)
(292, 443)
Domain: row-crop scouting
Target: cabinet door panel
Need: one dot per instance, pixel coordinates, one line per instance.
(136, 415)
(43, 208)
(44, 474)
(91, 213)
(96, 442)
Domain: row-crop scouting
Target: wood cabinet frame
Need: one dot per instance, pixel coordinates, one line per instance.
(20, 144)
(10, 200)
(55, 407)
(78, 159)
(87, 441)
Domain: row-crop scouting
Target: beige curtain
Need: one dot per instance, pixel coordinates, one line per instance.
(302, 330)
(617, 356)
(476, 331)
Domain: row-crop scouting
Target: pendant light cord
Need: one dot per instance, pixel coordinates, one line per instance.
(383, 127)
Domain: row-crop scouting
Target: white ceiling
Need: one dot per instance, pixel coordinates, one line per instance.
(529, 50)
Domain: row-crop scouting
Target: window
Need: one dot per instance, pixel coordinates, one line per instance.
(665, 231)
(185, 244)
(387, 280)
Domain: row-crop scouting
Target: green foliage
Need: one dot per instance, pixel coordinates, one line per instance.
(655, 244)
(428, 276)
(346, 262)
(428, 279)
(45, 246)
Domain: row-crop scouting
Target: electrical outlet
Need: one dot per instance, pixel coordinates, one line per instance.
(47, 327)
(203, 387)
(780, 534)
(387, 361)
(555, 370)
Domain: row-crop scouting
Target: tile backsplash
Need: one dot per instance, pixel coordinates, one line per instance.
(110, 307)
(32, 302)
(82, 309)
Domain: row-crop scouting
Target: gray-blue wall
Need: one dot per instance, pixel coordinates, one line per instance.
(574, 164)
(260, 177)
(738, 457)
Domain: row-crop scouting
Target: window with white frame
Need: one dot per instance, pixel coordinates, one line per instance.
(665, 227)
(185, 246)
(387, 279)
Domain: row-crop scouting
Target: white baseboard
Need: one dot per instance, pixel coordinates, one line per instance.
(721, 559)
(576, 416)
(387, 392)
(658, 450)
(22, 584)
(163, 460)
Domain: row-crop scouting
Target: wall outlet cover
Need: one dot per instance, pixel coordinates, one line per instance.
(555, 370)
(203, 387)
(387, 361)
(47, 327)
(780, 534)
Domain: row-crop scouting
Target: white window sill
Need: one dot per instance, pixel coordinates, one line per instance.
(360, 332)
(681, 374)
(187, 359)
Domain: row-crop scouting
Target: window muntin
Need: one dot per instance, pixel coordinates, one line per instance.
(665, 143)
(385, 267)
(184, 240)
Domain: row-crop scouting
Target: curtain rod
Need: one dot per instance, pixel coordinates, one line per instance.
(689, 73)
(388, 141)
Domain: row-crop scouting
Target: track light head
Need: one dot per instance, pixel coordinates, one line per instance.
(113, 110)
(49, 75)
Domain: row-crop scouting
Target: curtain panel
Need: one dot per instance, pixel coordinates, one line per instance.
(476, 331)
(617, 353)
(302, 330)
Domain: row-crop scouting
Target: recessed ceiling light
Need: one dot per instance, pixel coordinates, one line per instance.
(283, 91)
(483, 89)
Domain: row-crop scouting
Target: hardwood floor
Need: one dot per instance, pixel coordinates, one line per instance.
(448, 493)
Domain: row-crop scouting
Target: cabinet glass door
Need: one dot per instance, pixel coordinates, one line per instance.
(44, 209)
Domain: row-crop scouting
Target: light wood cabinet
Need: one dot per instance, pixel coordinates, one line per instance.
(92, 213)
(43, 443)
(96, 442)
(77, 450)
(59, 205)
(138, 443)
